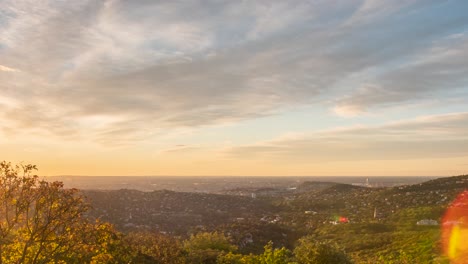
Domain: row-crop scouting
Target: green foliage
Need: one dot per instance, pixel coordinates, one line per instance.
(270, 255)
(412, 247)
(261, 233)
(231, 258)
(273, 256)
(312, 252)
(206, 247)
(406, 218)
(155, 248)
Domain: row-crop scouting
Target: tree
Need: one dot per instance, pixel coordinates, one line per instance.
(206, 247)
(42, 222)
(270, 255)
(231, 258)
(273, 256)
(312, 252)
(154, 248)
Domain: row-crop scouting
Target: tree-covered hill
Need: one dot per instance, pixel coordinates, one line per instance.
(173, 212)
(371, 224)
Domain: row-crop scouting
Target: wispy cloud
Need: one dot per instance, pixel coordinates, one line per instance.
(434, 72)
(7, 69)
(424, 137)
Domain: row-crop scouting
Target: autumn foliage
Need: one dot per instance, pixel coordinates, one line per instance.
(42, 222)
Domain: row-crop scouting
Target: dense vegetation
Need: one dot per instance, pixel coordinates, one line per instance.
(42, 222)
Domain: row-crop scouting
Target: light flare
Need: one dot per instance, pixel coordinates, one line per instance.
(455, 230)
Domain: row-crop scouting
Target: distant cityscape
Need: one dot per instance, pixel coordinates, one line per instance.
(221, 185)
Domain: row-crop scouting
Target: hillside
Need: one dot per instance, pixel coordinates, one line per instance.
(368, 223)
(173, 212)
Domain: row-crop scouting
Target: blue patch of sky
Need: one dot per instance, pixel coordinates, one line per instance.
(450, 16)
(304, 119)
(5, 16)
(433, 21)
(315, 118)
(263, 128)
(402, 37)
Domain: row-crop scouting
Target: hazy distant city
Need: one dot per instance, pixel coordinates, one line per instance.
(220, 185)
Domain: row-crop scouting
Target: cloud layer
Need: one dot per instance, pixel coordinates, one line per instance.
(125, 70)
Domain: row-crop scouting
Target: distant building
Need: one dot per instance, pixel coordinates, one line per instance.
(377, 214)
(427, 222)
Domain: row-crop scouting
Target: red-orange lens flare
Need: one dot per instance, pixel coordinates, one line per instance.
(455, 230)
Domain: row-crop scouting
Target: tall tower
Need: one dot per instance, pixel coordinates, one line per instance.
(367, 182)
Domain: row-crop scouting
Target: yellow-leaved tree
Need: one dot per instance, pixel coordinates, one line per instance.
(42, 222)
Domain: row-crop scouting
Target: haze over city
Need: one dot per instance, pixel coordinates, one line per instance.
(261, 88)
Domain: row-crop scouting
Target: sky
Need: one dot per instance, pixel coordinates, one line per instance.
(273, 88)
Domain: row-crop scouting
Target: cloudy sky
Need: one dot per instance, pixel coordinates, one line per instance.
(365, 87)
